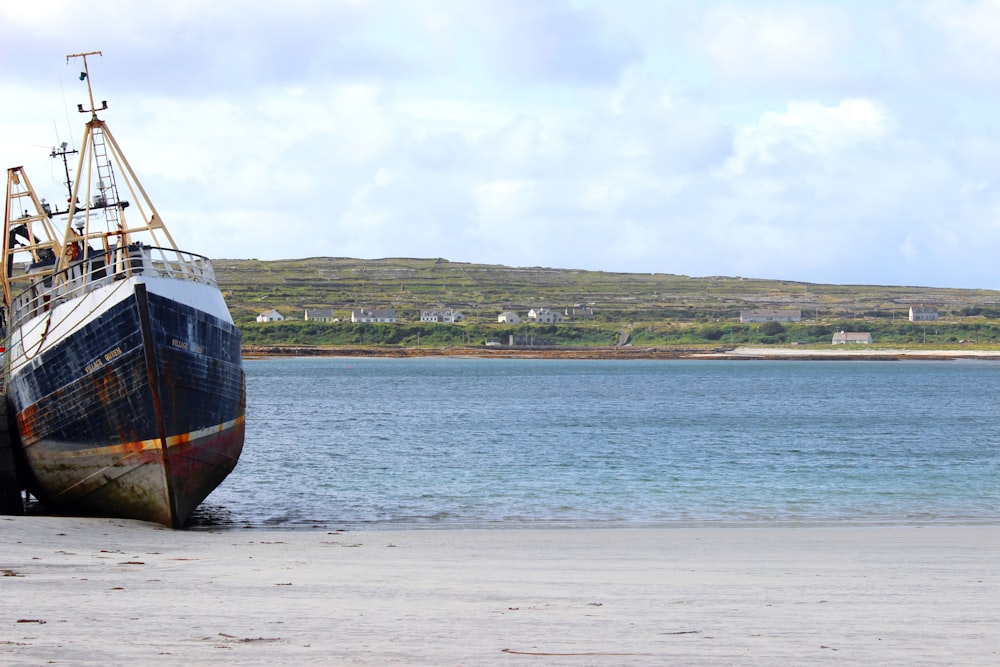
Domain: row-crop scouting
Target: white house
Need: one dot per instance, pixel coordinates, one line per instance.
(508, 317)
(442, 315)
(320, 315)
(775, 315)
(270, 316)
(852, 337)
(545, 316)
(376, 315)
(923, 313)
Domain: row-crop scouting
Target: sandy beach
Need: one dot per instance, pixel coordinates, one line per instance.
(856, 352)
(114, 592)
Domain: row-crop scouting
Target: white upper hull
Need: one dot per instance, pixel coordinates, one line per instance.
(34, 335)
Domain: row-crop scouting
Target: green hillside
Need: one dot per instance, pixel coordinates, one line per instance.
(654, 309)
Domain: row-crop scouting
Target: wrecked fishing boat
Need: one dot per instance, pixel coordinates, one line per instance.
(123, 366)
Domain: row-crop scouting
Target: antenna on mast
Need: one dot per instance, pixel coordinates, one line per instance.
(64, 152)
(85, 76)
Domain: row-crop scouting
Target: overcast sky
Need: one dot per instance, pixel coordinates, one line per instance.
(831, 142)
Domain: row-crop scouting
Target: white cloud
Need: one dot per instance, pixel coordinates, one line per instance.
(599, 196)
(836, 142)
(811, 128)
(502, 200)
(779, 42)
(970, 31)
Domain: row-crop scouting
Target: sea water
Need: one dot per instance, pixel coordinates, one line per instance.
(468, 442)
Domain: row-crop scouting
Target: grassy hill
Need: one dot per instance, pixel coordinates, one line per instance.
(654, 309)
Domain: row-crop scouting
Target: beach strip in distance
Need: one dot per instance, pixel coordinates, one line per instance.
(741, 353)
(107, 591)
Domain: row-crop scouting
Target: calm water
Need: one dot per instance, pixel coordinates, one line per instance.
(368, 443)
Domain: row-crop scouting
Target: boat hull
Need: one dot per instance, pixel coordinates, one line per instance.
(137, 412)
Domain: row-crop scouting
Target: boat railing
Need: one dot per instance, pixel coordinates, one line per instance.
(94, 270)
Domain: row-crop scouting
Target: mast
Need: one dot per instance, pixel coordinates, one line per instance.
(28, 233)
(63, 152)
(85, 76)
(95, 218)
(101, 165)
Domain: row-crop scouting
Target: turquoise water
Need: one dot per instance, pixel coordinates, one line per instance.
(403, 443)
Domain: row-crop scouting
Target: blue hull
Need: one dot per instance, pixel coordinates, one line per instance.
(138, 414)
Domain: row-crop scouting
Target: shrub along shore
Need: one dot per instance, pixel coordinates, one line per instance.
(980, 334)
(838, 353)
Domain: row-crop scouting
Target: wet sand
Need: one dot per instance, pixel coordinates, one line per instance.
(99, 591)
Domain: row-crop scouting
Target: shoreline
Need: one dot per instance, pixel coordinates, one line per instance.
(107, 591)
(741, 353)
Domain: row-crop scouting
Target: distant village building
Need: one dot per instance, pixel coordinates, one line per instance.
(770, 315)
(508, 317)
(852, 337)
(529, 340)
(545, 316)
(579, 313)
(376, 315)
(270, 316)
(320, 315)
(923, 313)
(446, 315)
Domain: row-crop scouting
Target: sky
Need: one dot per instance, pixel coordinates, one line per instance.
(848, 142)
